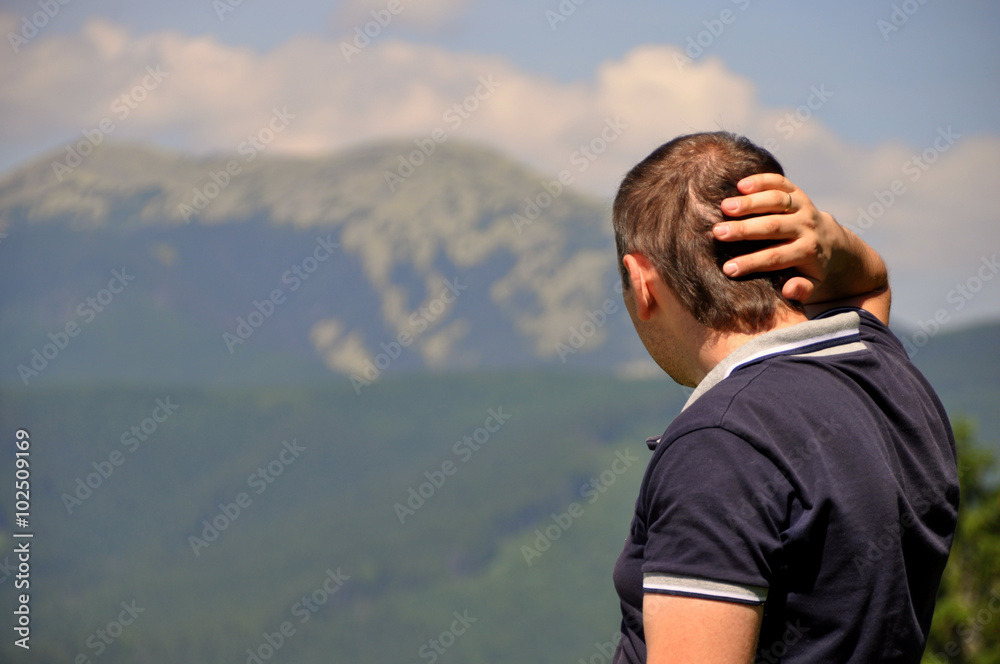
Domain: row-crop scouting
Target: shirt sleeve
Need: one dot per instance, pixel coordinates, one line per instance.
(714, 510)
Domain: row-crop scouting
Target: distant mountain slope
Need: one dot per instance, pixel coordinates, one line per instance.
(433, 271)
(299, 267)
(963, 368)
(336, 498)
(424, 496)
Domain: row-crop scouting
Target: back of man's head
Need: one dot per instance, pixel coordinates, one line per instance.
(665, 209)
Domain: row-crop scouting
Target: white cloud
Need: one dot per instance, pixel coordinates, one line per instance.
(215, 95)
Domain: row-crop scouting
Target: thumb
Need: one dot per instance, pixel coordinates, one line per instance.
(798, 289)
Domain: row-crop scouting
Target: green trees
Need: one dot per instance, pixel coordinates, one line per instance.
(966, 628)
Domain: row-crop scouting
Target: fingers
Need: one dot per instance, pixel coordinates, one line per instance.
(776, 204)
(763, 182)
(778, 257)
(763, 202)
(772, 208)
(764, 193)
(773, 227)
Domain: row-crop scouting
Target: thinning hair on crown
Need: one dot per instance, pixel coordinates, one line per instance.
(665, 209)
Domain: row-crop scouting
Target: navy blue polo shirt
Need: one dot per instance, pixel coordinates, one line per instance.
(812, 471)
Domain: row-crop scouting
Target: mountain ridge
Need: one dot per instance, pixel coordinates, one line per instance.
(302, 266)
(527, 284)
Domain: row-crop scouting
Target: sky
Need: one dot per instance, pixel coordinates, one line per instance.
(886, 113)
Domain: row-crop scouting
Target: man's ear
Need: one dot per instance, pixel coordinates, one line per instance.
(641, 274)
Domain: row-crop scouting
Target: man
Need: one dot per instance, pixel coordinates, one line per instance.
(802, 505)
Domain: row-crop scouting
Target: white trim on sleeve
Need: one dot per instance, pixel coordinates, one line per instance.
(668, 584)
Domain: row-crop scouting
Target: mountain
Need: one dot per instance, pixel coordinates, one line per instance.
(210, 446)
(276, 268)
(502, 496)
(962, 367)
(144, 267)
(224, 519)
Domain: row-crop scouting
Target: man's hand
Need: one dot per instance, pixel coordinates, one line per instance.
(837, 267)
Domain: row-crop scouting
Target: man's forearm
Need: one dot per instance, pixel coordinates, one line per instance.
(856, 277)
(855, 269)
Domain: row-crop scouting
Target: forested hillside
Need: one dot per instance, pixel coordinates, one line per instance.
(361, 525)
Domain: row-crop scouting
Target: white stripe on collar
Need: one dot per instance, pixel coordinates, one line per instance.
(775, 350)
(814, 332)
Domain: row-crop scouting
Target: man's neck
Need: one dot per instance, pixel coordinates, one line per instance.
(718, 345)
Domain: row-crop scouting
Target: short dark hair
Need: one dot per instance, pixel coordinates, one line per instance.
(665, 209)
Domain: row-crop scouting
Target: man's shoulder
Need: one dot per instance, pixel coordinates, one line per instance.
(772, 389)
(874, 331)
(833, 368)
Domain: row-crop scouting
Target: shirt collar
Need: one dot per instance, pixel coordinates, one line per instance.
(813, 335)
